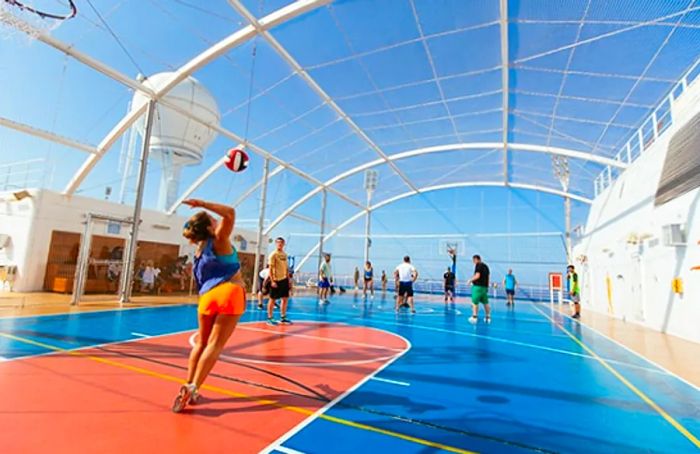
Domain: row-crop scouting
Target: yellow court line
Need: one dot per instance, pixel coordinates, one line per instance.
(678, 426)
(229, 393)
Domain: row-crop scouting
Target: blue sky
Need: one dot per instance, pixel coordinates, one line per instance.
(410, 74)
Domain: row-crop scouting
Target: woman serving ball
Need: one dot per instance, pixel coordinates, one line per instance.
(217, 271)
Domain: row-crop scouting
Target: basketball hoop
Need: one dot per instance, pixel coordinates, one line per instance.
(30, 18)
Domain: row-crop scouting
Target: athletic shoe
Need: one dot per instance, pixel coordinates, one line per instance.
(487, 320)
(285, 321)
(260, 306)
(271, 322)
(473, 320)
(576, 316)
(184, 397)
(413, 311)
(194, 399)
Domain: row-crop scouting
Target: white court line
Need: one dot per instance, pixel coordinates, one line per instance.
(512, 342)
(393, 382)
(141, 335)
(87, 347)
(96, 311)
(288, 450)
(308, 336)
(125, 341)
(276, 444)
(356, 362)
(638, 355)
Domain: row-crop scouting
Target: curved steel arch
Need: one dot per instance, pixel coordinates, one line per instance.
(439, 187)
(239, 37)
(444, 148)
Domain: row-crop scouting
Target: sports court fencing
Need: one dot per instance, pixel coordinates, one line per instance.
(527, 291)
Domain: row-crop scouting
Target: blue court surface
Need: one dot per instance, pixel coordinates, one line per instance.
(532, 381)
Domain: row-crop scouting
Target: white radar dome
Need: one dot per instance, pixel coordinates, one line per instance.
(175, 134)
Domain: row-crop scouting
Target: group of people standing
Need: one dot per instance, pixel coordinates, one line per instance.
(222, 294)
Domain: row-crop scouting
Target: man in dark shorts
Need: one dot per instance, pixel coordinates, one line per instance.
(510, 284)
(279, 283)
(406, 275)
(574, 290)
(480, 290)
(450, 281)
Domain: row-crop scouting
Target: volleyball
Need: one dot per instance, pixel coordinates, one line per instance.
(236, 160)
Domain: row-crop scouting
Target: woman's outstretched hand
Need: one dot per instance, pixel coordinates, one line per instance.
(193, 203)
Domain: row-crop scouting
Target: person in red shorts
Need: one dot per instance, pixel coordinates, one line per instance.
(222, 300)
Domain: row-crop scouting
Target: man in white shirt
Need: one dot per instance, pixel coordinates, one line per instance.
(263, 285)
(325, 279)
(406, 275)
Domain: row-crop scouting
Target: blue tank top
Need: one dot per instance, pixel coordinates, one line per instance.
(510, 282)
(369, 274)
(211, 270)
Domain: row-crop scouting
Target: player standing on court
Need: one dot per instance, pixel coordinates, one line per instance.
(574, 290)
(279, 283)
(510, 284)
(369, 279)
(263, 285)
(450, 281)
(480, 290)
(405, 275)
(325, 279)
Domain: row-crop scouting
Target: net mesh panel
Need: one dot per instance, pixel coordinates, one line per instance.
(483, 222)
(583, 75)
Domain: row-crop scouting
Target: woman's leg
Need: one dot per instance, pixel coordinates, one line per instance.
(224, 325)
(206, 322)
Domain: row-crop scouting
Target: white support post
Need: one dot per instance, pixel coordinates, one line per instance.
(81, 268)
(130, 256)
(324, 202)
(371, 180)
(261, 222)
(567, 223)
(368, 220)
(655, 125)
(640, 138)
(609, 172)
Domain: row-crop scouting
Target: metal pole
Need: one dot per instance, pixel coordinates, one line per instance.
(567, 221)
(261, 222)
(81, 265)
(324, 201)
(367, 226)
(130, 255)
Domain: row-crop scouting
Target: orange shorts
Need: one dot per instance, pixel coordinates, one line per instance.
(227, 299)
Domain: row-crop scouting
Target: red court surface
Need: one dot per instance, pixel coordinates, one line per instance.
(117, 398)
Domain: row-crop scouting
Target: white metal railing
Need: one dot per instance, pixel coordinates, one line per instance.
(22, 174)
(659, 120)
